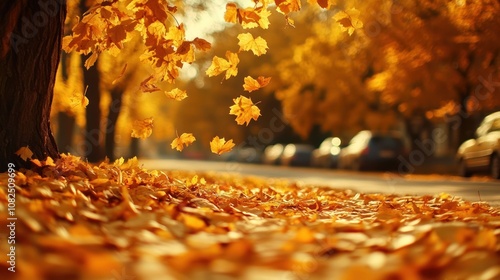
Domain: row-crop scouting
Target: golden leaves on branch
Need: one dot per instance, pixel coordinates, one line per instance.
(179, 142)
(249, 17)
(248, 43)
(244, 110)
(220, 146)
(142, 128)
(349, 20)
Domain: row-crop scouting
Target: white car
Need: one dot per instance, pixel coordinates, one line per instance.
(482, 154)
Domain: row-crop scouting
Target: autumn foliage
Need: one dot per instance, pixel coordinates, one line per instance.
(109, 26)
(82, 221)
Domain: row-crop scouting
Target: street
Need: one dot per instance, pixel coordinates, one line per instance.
(473, 189)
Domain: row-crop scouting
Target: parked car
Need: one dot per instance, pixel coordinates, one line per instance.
(272, 154)
(482, 154)
(297, 155)
(244, 155)
(370, 150)
(327, 154)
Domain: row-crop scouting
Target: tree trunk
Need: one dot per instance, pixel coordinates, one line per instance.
(31, 35)
(92, 132)
(66, 126)
(113, 114)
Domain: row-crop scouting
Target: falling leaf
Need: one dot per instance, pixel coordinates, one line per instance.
(231, 13)
(349, 20)
(25, 153)
(287, 6)
(142, 128)
(251, 84)
(244, 110)
(176, 94)
(91, 60)
(325, 4)
(219, 65)
(257, 45)
(185, 139)
(121, 74)
(220, 146)
(202, 44)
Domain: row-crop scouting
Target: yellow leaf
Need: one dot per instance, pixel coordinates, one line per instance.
(220, 146)
(25, 153)
(121, 74)
(176, 94)
(142, 128)
(185, 139)
(233, 61)
(251, 84)
(247, 42)
(220, 65)
(176, 34)
(287, 6)
(244, 110)
(231, 14)
(91, 60)
(349, 20)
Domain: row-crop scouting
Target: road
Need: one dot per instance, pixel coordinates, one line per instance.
(473, 189)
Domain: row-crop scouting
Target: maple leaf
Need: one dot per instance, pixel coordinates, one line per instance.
(287, 6)
(349, 20)
(142, 128)
(231, 14)
(121, 74)
(25, 153)
(220, 65)
(76, 100)
(244, 110)
(202, 44)
(257, 45)
(251, 84)
(176, 94)
(325, 4)
(220, 146)
(185, 139)
(91, 60)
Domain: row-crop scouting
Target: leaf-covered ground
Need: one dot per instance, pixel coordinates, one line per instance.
(119, 221)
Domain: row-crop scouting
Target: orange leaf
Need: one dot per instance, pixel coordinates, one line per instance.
(251, 84)
(185, 139)
(25, 153)
(121, 74)
(176, 94)
(220, 65)
(220, 146)
(202, 44)
(244, 110)
(142, 128)
(349, 20)
(287, 6)
(247, 42)
(231, 13)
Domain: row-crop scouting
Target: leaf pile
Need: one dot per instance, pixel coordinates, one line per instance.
(120, 221)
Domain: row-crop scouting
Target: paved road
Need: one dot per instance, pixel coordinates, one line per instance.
(474, 189)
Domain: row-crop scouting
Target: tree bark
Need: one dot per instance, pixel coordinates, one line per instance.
(31, 35)
(113, 114)
(92, 132)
